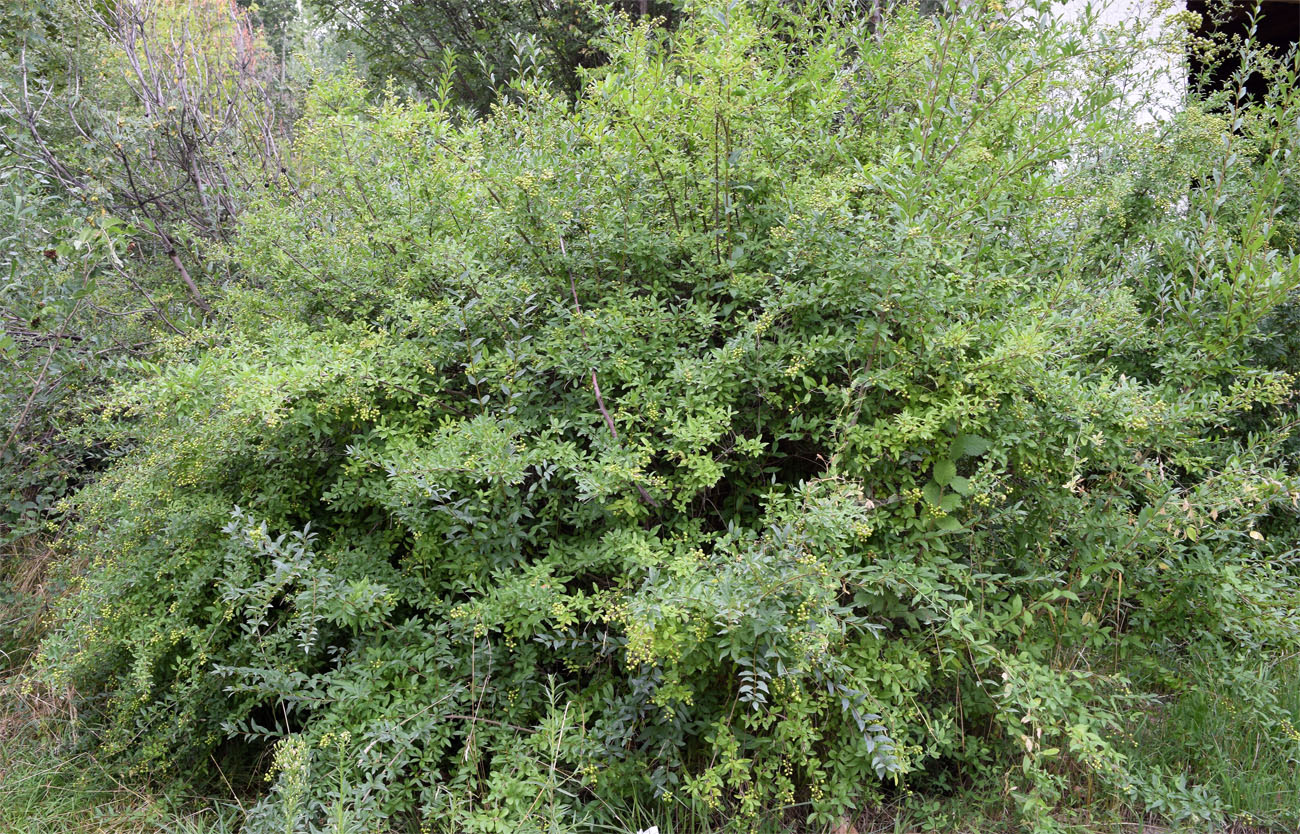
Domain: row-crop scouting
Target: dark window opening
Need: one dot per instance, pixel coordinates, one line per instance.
(1278, 27)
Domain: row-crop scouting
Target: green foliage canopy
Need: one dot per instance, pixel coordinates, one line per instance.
(803, 411)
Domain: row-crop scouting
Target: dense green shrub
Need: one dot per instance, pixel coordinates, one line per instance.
(810, 409)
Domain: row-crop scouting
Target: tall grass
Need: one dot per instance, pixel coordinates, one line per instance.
(50, 783)
(1253, 765)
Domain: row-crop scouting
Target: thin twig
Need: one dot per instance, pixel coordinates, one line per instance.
(595, 386)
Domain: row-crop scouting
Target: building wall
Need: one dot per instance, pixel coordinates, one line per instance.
(1157, 86)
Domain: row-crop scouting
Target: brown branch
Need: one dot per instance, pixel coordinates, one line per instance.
(654, 158)
(148, 298)
(163, 236)
(595, 386)
(45, 367)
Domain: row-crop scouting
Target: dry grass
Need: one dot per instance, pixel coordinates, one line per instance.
(49, 783)
(25, 569)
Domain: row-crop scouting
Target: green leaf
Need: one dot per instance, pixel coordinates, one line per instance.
(968, 445)
(944, 472)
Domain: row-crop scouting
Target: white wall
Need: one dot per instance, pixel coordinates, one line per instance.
(1157, 87)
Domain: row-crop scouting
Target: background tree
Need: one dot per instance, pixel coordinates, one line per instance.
(486, 42)
(132, 134)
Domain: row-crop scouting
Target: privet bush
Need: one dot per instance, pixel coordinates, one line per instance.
(811, 410)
